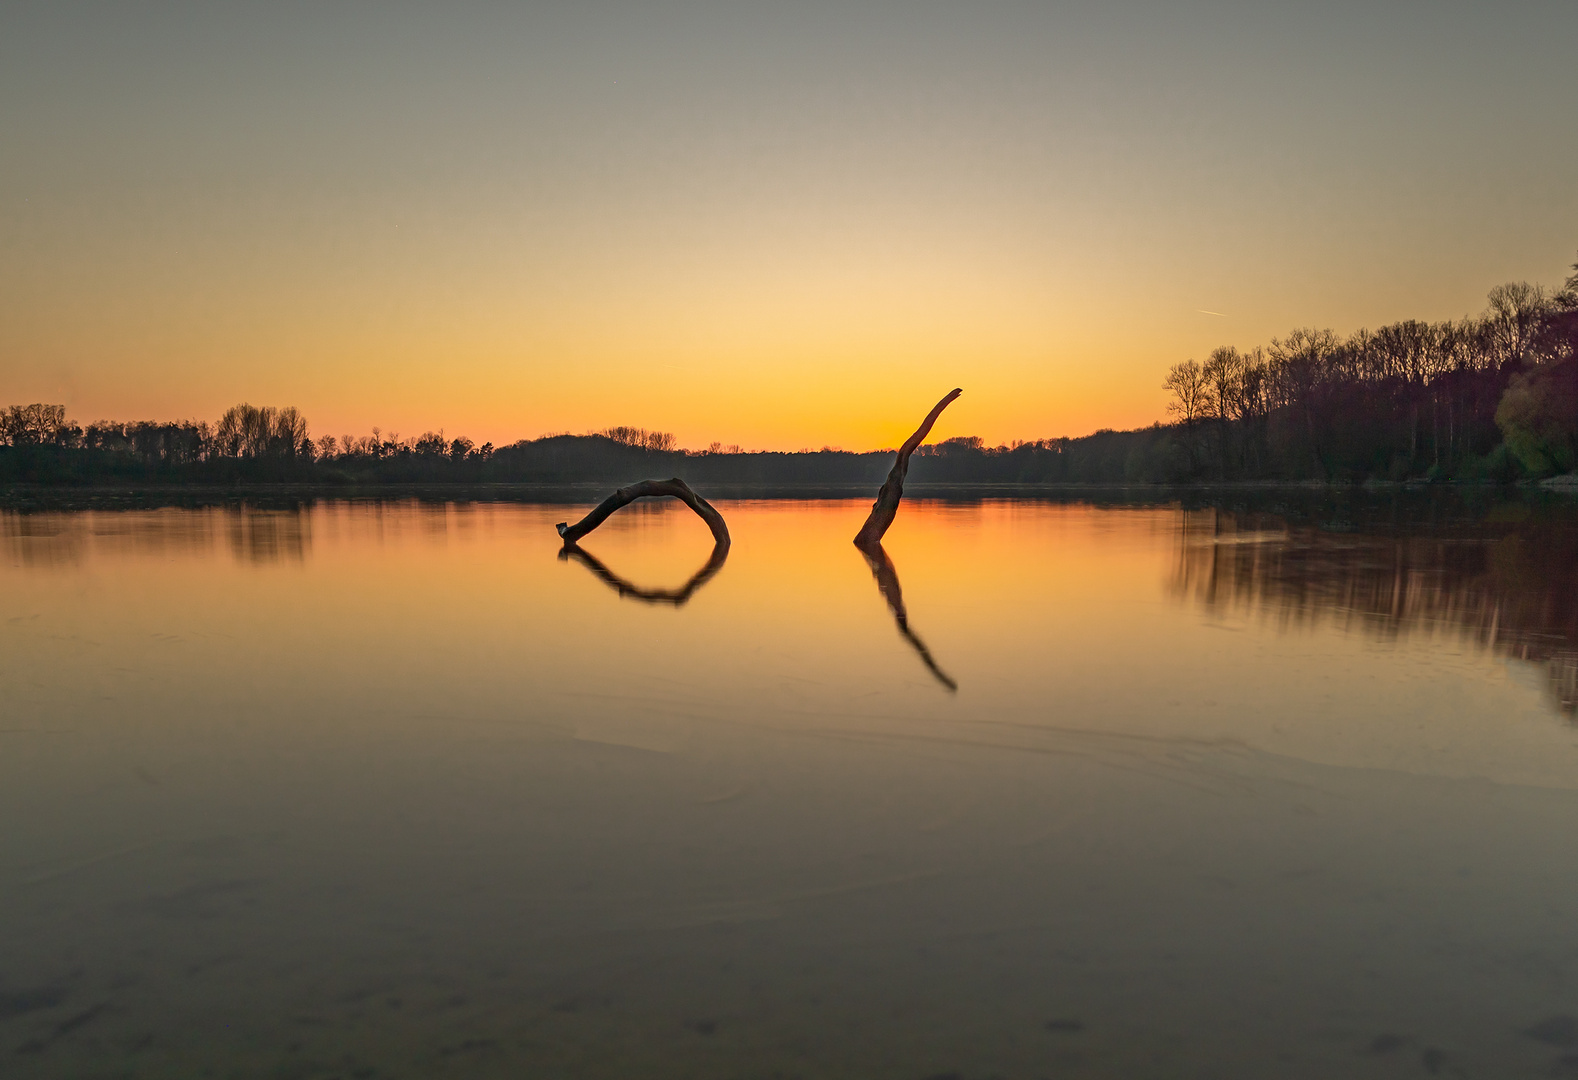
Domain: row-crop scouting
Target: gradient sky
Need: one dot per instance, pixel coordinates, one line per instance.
(781, 225)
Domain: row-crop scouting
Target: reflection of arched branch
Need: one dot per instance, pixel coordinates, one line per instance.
(677, 597)
(887, 503)
(648, 489)
(888, 583)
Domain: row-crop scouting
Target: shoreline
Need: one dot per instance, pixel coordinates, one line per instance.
(25, 497)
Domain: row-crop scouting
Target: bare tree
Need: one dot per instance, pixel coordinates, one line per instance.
(1301, 365)
(1513, 319)
(1191, 396)
(641, 438)
(32, 425)
(1191, 401)
(1223, 372)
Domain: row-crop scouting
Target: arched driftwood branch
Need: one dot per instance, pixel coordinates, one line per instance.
(648, 489)
(887, 503)
(888, 584)
(676, 597)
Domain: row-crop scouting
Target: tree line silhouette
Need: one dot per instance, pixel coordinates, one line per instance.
(1488, 398)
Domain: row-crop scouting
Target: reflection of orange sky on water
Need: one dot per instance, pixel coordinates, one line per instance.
(1053, 618)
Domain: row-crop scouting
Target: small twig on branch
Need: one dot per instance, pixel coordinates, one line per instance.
(887, 503)
(648, 489)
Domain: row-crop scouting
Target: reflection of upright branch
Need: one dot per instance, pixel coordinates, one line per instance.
(887, 503)
(677, 597)
(888, 583)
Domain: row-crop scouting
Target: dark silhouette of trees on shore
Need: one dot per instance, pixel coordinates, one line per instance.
(1492, 398)
(246, 431)
(1485, 398)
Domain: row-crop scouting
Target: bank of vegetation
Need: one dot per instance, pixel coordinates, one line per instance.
(1493, 397)
(1490, 398)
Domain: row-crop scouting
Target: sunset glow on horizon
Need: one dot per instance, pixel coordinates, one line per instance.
(754, 225)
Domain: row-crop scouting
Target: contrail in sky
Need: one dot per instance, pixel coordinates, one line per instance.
(1203, 311)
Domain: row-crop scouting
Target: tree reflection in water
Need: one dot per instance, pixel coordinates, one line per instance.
(260, 535)
(876, 556)
(888, 583)
(1508, 582)
(676, 597)
(267, 536)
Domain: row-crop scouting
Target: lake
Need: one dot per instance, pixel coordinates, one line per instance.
(1282, 786)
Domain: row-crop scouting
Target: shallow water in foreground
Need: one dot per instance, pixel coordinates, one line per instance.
(370, 789)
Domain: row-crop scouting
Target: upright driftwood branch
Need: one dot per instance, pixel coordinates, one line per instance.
(888, 584)
(676, 597)
(648, 489)
(887, 503)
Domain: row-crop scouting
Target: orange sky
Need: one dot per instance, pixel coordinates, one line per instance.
(778, 229)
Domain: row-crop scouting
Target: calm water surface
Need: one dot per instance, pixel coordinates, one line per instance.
(373, 790)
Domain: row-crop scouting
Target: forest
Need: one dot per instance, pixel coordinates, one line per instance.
(1491, 398)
